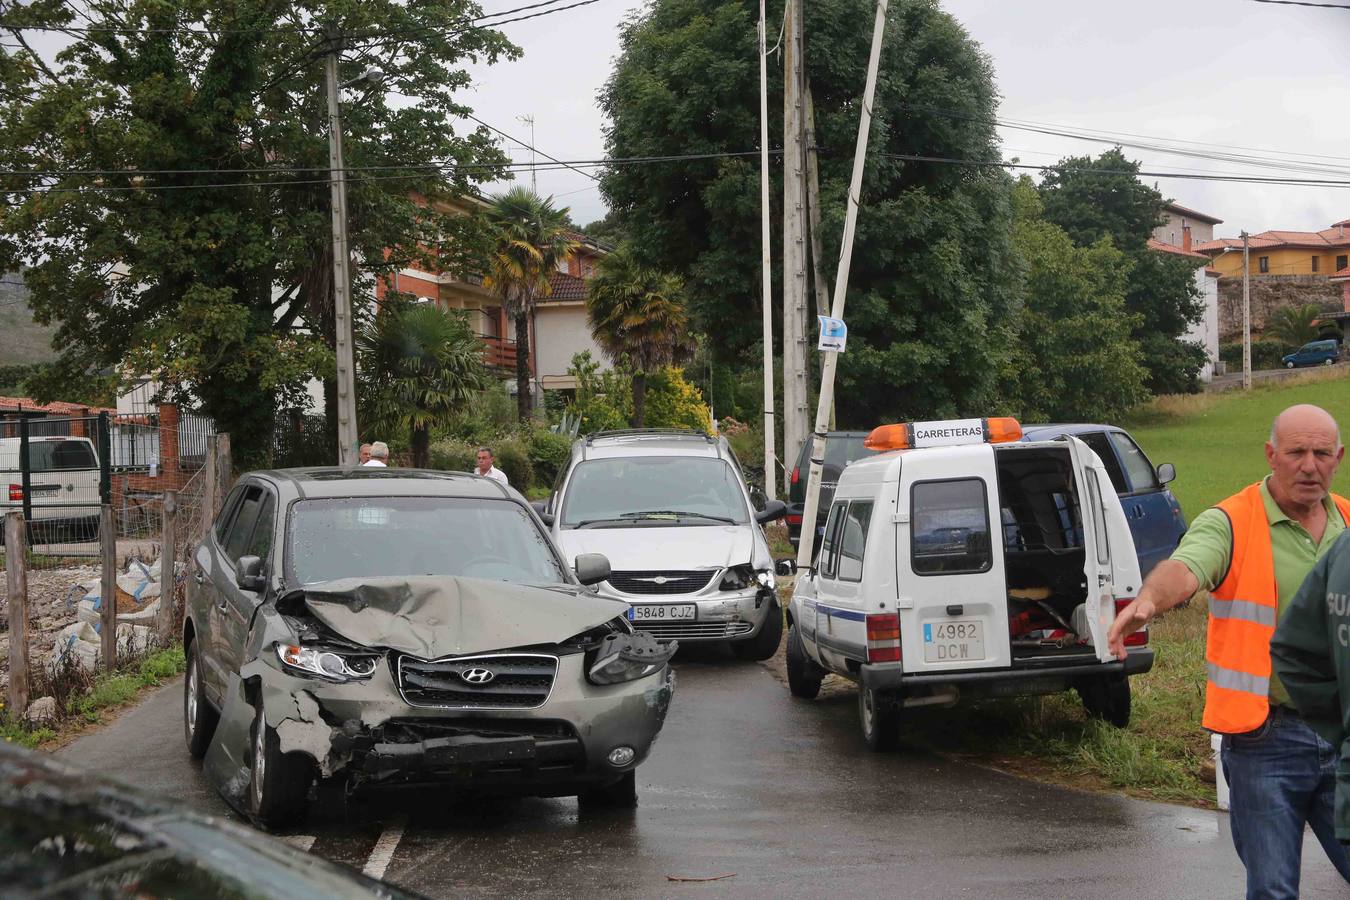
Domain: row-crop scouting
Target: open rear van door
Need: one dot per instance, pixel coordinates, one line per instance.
(1095, 499)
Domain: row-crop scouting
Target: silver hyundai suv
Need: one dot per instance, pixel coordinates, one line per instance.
(672, 512)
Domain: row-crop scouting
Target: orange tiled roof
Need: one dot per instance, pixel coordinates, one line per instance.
(1343, 273)
(56, 407)
(1338, 235)
(1162, 247)
(565, 287)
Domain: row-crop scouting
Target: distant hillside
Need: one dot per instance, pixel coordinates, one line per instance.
(24, 342)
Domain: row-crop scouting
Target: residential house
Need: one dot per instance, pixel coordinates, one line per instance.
(1185, 227)
(1322, 253)
(1178, 235)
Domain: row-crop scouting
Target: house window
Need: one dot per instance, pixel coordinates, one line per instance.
(1315, 261)
(1264, 263)
(1340, 262)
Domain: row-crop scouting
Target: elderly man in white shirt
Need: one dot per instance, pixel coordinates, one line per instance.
(486, 467)
(379, 455)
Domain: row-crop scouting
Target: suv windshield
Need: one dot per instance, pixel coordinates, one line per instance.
(674, 490)
(358, 537)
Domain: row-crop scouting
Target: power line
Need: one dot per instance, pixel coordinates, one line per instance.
(590, 175)
(1303, 3)
(1239, 179)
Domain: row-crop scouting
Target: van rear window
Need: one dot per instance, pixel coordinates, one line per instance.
(60, 456)
(950, 530)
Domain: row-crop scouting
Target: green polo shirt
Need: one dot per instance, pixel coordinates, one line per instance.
(1207, 546)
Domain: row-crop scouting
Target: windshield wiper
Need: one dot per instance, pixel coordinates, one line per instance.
(677, 513)
(587, 523)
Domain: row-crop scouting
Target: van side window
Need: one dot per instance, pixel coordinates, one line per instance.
(829, 557)
(1099, 445)
(1138, 469)
(853, 541)
(950, 527)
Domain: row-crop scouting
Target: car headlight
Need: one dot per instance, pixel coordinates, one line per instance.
(628, 657)
(738, 578)
(326, 662)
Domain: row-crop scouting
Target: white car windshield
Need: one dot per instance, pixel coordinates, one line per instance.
(359, 537)
(654, 490)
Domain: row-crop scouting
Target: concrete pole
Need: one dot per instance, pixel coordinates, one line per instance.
(16, 577)
(342, 278)
(1246, 314)
(766, 263)
(823, 409)
(794, 244)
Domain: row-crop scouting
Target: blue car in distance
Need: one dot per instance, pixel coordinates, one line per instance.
(1155, 518)
(1313, 353)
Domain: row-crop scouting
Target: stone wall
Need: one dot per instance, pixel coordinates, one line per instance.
(1269, 293)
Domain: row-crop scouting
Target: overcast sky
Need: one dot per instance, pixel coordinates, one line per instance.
(1236, 73)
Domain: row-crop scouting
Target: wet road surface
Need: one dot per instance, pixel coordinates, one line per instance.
(745, 781)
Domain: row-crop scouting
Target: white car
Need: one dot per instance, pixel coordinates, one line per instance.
(63, 481)
(671, 511)
(968, 564)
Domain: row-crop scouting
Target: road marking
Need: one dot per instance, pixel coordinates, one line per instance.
(302, 842)
(383, 852)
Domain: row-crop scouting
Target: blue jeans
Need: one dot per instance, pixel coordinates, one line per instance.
(1281, 776)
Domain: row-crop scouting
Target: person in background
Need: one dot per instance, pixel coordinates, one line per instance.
(487, 466)
(1252, 552)
(363, 455)
(379, 455)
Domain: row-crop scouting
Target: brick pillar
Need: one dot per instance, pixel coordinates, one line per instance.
(1345, 295)
(168, 440)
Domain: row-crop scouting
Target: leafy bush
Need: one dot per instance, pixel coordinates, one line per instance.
(604, 400)
(513, 458)
(1266, 354)
(453, 455)
(549, 452)
(491, 413)
(672, 402)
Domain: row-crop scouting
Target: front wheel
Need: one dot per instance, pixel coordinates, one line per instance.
(199, 719)
(1328, 362)
(804, 675)
(622, 794)
(278, 782)
(1106, 697)
(765, 644)
(1288, 365)
(879, 715)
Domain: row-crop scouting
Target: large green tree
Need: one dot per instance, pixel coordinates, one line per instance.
(530, 236)
(1091, 198)
(1073, 359)
(932, 273)
(176, 219)
(637, 314)
(419, 366)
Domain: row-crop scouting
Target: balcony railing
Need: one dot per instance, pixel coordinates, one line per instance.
(498, 352)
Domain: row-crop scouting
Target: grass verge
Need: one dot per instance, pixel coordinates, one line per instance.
(83, 699)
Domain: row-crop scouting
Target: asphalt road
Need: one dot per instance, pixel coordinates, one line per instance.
(747, 782)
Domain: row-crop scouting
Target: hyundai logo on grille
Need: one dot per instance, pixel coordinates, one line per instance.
(478, 676)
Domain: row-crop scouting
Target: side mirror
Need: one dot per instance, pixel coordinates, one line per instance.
(773, 509)
(591, 568)
(248, 574)
(785, 567)
(1167, 473)
(541, 508)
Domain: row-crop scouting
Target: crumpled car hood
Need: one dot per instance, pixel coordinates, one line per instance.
(434, 616)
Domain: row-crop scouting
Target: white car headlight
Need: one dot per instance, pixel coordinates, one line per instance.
(628, 657)
(327, 663)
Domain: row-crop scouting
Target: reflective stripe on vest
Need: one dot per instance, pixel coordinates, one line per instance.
(1242, 616)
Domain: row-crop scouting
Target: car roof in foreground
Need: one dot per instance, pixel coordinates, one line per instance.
(373, 481)
(623, 444)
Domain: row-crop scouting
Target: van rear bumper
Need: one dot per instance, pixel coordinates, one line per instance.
(891, 677)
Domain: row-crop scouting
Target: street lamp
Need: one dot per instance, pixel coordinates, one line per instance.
(342, 279)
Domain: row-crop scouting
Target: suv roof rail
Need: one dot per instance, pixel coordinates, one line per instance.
(650, 432)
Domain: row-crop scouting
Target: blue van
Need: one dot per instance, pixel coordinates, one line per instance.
(1155, 518)
(1313, 353)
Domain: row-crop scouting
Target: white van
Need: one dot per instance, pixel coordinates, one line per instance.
(63, 481)
(968, 563)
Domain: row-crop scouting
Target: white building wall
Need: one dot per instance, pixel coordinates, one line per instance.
(1206, 331)
(561, 332)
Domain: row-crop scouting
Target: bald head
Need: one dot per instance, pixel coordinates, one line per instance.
(1304, 418)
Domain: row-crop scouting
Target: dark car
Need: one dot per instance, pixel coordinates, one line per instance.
(67, 833)
(1156, 521)
(841, 448)
(377, 626)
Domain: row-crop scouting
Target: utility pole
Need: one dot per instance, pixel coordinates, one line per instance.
(822, 290)
(826, 404)
(766, 264)
(794, 242)
(342, 278)
(1246, 314)
(534, 182)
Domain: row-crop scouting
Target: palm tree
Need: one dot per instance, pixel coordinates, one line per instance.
(1293, 325)
(419, 364)
(531, 238)
(637, 313)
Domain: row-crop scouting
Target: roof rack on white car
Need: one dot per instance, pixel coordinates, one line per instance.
(650, 432)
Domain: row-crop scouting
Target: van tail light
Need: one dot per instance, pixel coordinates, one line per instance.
(1140, 637)
(16, 493)
(883, 638)
(796, 474)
